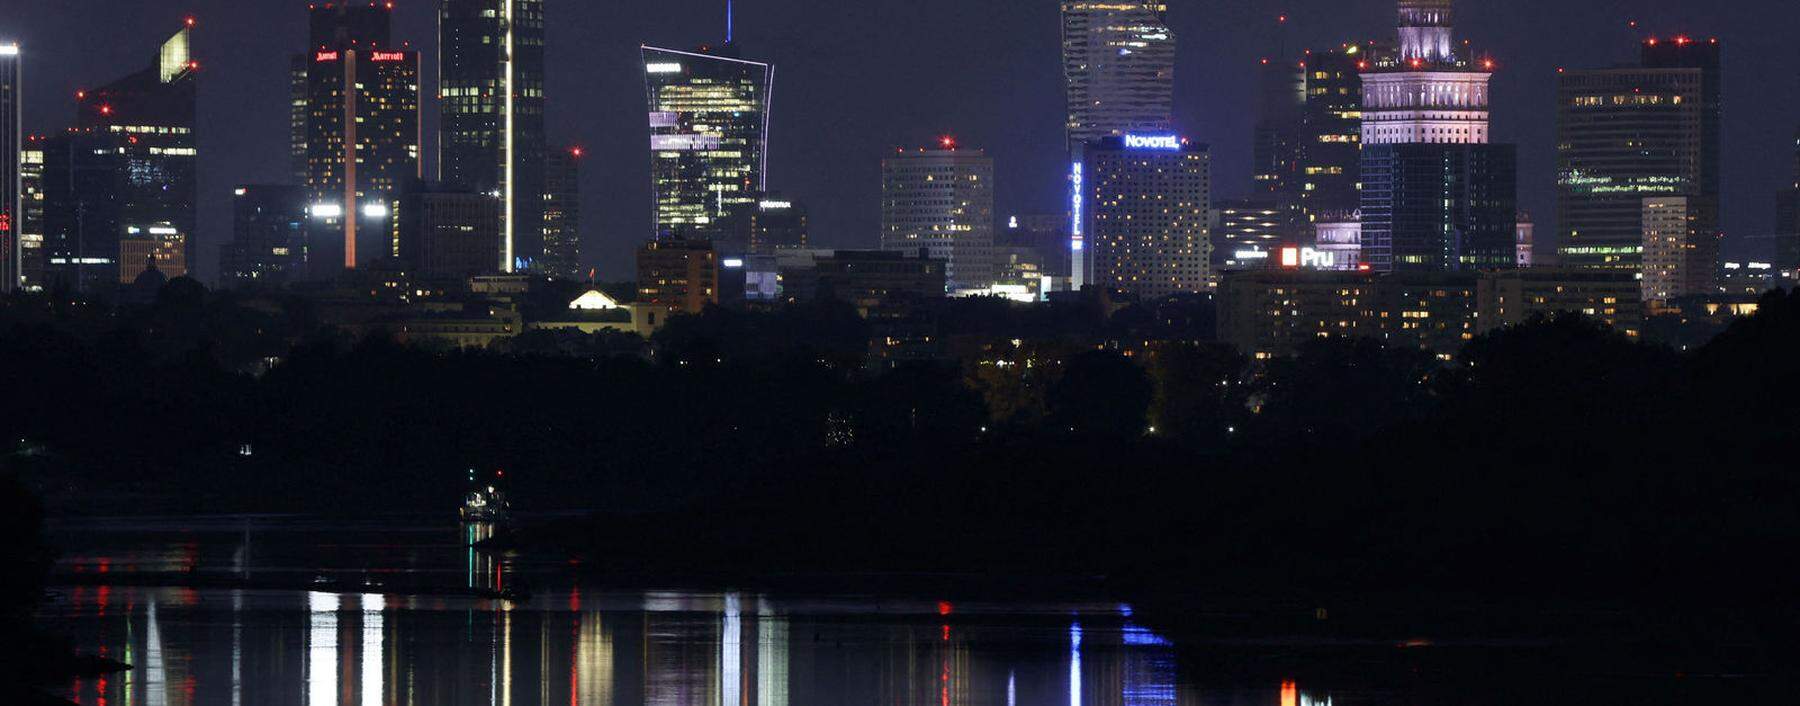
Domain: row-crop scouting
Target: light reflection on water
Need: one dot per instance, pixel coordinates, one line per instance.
(325, 649)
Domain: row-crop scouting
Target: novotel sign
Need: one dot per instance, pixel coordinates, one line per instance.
(1153, 142)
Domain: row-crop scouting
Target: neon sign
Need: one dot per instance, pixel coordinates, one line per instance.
(1075, 202)
(388, 56)
(1153, 142)
(1292, 258)
(325, 56)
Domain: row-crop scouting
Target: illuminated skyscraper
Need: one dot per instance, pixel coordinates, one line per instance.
(777, 224)
(1275, 149)
(1146, 203)
(362, 137)
(123, 179)
(942, 200)
(1331, 134)
(1633, 133)
(31, 212)
(1435, 195)
(1119, 68)
(709, 126)
(562, 214)
(491, 98)
(12, 185)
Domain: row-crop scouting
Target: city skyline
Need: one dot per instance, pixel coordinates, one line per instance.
(836, 171)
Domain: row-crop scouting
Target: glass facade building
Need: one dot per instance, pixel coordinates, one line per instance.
(562, 214)
(1433, 207)
(12, 157)
(1118, 68)
(491, 102)
(123, 179)
(709, 128)
(362, 138)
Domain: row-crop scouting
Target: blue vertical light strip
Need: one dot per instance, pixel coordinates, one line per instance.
(728, 21)
(1075, 664)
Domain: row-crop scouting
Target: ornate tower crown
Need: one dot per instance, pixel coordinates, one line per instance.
(1425, 32)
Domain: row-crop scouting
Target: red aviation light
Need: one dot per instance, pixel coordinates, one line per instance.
(576, 151)
(106, 110)
(1682, 40)
(947, 142)
(189, 21)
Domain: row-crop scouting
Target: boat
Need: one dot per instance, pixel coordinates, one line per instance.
(486, 501)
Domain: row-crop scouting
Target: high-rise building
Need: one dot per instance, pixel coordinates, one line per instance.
(709, 128)
(1787, 222)
(31, 214)
(680, 275)
(362, 137)
(1119, 68)
(1525, 241)
(1631, 133)
(491, 98)
(778, 223)
(268, 237)
(12, 157)
(450, 232)
(1275, 148)
(1245, 233)
(1146, 200)
(125, 174)
(298, 114)
(1436, 196)
(1670, 231)
(1038, 239)
(942, 200)
(562, 214)
(1331, 134)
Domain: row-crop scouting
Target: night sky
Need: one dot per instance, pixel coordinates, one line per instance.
(855, 78)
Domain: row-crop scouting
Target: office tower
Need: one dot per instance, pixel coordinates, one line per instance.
(448, 232)
(1146, 205)
(709, 127)
(124, 177)
(562, 214)
(31, 212)
(1631, 133)
(1275, 148)
(268, 237)
(1670, 231)
(362, 137)
(12, 157)
(1245, 232)
(1435, 195)
(679, 275)
(778, 223)
(491, 98)
(1119, 68)
(1331, 134)
(298, 116)
(1040, 239)
(942, 200)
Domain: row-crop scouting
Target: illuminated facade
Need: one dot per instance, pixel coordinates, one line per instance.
(942, 201)
(12, 157)
(362, 137)
(562, 214)
(1270, 313)
(1436, 196)
(1118, 66)
(678, 275)
(125, 174)
(709, 127)
(1506, 298)
(1245, 233)
(1331, 134)
(1628, 134)
(1148, 229)
(491, 98)
(1669, 233)
(778, 223)
(268, 237)
(31, 212)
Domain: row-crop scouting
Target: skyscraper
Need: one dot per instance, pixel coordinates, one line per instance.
(1146, 201)
(1331, 134)
(1275, 147)
(1668, 235)
(562, 214)
(31, 213)
(491, 98)
(709, 127)
(268, 237)
(1632, 133)
(1119, 68)
(942, 200)
(1435, 195)
(777, 224)
(1787, 221)
(12, 147)
(362, 137)
(124, 177)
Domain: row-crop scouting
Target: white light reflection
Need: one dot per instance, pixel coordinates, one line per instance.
(156, 681)
(321, 649)
(731, 658)
(1075, 664)
(372, 606)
